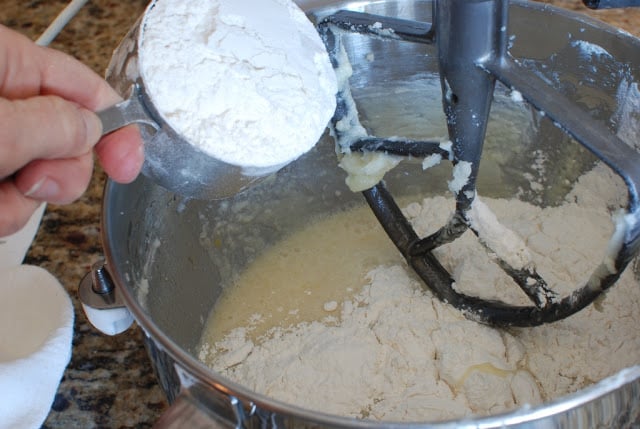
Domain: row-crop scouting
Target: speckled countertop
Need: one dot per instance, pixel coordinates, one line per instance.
(109, 382)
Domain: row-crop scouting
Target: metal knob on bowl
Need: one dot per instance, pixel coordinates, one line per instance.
(102, 302)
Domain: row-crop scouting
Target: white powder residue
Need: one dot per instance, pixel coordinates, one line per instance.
(590, 49)
(448, 146)
(507, 245)
(364, 170)
(395, 353)
(516, 96)
(250, 83)
(537, 178)
(431, 161)
(628, 113)
(143, 284)
(461, 173)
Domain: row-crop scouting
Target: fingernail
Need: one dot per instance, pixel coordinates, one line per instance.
(134, 163)
(92, 125)
(44, 189)
(131, 161)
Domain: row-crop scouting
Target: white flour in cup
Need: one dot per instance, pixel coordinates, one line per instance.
(248, 82)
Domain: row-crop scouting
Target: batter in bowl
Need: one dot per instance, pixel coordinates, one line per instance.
(377, 345)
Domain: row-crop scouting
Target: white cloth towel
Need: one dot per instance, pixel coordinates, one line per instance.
(36, 329)
(14, 247)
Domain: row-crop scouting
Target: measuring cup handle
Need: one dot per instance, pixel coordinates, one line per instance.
(129, 111)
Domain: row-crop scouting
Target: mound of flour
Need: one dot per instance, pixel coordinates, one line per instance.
(393, 352)
(248, 82)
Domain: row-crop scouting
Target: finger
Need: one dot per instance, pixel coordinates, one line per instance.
(59, 181)
(86, 88)
(44, 128)
(27, 70)
(16, 208)
(121, 154)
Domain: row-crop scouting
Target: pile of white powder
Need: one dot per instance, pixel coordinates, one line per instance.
(248, 82)
(393, 352)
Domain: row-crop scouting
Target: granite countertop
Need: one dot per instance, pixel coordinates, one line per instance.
(109, 382)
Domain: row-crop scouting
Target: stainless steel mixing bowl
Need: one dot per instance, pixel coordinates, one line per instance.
(171, 257)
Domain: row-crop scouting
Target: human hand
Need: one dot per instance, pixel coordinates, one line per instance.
(48, 131)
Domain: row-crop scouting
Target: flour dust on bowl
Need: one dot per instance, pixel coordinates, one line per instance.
(401, 357)
(226, 93)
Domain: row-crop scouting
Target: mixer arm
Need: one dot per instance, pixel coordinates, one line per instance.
(610, 4)
(401, 147)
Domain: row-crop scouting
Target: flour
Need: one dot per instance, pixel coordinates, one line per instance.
(390, 351)
(249, 83)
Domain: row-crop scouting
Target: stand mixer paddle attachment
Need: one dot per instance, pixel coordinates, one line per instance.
(472, 46)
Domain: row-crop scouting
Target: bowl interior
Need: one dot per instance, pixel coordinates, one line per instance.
(175, 256)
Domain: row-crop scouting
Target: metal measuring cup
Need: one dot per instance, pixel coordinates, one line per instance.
(170, 161)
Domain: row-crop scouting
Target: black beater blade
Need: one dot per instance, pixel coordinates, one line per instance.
(472, 56)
